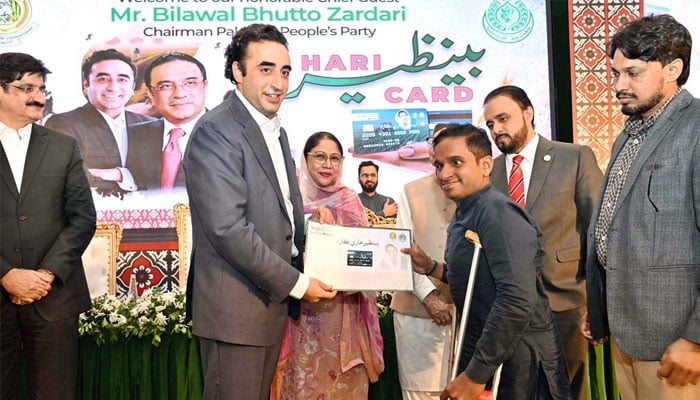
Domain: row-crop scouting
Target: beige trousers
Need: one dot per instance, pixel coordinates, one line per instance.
(637, 380)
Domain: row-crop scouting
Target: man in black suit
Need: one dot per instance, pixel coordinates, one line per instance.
(47, 219)
(101, 124)
(177, 88)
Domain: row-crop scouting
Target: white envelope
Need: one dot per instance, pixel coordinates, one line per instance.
(356, 258)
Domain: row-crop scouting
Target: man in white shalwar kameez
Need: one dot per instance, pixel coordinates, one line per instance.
(423, 319)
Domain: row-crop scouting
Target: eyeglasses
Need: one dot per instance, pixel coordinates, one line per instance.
(320, 158)
(189, 85)
(30, 89)
(367, 176)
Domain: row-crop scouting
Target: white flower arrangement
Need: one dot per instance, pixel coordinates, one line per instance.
(153, 314)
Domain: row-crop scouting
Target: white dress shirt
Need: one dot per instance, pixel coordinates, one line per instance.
(119, 132)
(16, 143)
(118, 127)
(270, 129)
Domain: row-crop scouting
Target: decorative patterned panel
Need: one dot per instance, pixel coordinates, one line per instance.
(156, 267)
(596, 113)
(139, 218)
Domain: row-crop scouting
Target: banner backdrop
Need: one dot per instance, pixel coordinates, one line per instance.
(377, 73)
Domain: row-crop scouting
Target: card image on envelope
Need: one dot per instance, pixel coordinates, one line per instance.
(358, 258)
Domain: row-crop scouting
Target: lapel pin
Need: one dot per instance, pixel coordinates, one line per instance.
(547, 158)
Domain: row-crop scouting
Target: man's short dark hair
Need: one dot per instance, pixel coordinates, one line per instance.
(655, 38)
(104, 55)
(516, 94)
(439, 127)
(172, 56)
(14, 66)
(366, 164)
(476, 139)
(237, 50)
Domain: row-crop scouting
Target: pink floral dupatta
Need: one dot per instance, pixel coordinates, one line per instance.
(357, 346)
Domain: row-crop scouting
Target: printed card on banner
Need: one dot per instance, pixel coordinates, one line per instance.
(376, 131)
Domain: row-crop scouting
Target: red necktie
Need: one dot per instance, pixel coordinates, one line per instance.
(172, 156)
(516, 184)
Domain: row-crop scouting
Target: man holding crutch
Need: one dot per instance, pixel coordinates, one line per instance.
(510, 321)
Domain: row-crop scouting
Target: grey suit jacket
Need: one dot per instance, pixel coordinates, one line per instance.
(240, 271)
(651, 297)
(97, 144)
(563, 187)
(144, 156)
(49, 223)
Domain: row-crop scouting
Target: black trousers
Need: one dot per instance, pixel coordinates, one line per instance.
(575, 350)
(537, 369)
(49, 347)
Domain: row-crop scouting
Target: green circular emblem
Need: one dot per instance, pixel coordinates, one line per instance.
(14, 15)
(508, 21)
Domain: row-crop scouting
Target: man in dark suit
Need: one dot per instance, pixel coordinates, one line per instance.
(177, 87)
(101, 125)
(247, 222)
(47, 219)
(560, 184)
(643, 264)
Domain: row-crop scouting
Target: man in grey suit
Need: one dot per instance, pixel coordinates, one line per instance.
(47, 219)
(643, 273)
(101, 124)
(561, 182)
(247, 222)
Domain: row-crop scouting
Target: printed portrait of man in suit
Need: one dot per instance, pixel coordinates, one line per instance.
(101, 125)
(176, 84)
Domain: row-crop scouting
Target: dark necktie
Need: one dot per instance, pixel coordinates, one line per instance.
(516, 183)
(172, 156)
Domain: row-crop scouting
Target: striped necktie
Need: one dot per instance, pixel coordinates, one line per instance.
(172, 156)
(516, 183)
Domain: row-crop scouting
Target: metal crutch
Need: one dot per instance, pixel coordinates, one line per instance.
(473, 237)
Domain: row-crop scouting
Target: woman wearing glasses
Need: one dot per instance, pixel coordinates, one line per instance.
(335, 348)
